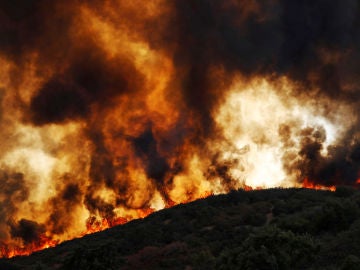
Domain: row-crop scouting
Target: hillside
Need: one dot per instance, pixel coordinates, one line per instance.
(262, 229)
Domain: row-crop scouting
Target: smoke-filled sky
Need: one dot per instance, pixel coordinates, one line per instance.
(111, 108)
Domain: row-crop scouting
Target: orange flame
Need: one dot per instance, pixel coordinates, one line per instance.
(308, 184)
(94, 225)
(11, 250)
(145, 212)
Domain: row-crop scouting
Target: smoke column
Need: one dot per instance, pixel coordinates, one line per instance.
(113, 109)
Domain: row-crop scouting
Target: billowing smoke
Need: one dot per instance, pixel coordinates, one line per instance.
(112, 109)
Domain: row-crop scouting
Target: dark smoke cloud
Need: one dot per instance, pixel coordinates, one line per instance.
(27, 26)
(90, 79)
(71, 193)
(19, 25)
(29, 231)
(147, 148)
(312, 27)
(341, 165)
(156, 166)
(13, 188)
(58, 101)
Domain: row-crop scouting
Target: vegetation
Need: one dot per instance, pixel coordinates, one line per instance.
(264, 229)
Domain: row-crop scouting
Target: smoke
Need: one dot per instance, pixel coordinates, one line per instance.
(13, 192)
(109, 108)
(156, 166)
(29, 231)
(313, 44)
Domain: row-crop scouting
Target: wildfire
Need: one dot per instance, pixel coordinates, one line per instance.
(93, 225)
(109, 112)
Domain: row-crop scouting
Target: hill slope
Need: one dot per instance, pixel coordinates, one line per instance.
(264, 229)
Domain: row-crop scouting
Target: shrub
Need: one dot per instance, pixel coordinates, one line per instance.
(351, 262)
(270, 249)
(344, 191)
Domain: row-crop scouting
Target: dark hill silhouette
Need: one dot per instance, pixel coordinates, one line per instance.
(262, 229)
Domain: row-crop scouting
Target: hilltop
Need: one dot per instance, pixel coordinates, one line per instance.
(260, 229)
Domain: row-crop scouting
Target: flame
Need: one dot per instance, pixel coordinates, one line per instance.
(44, 242)
(95, 225)
(145, 212)
(308, 184)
